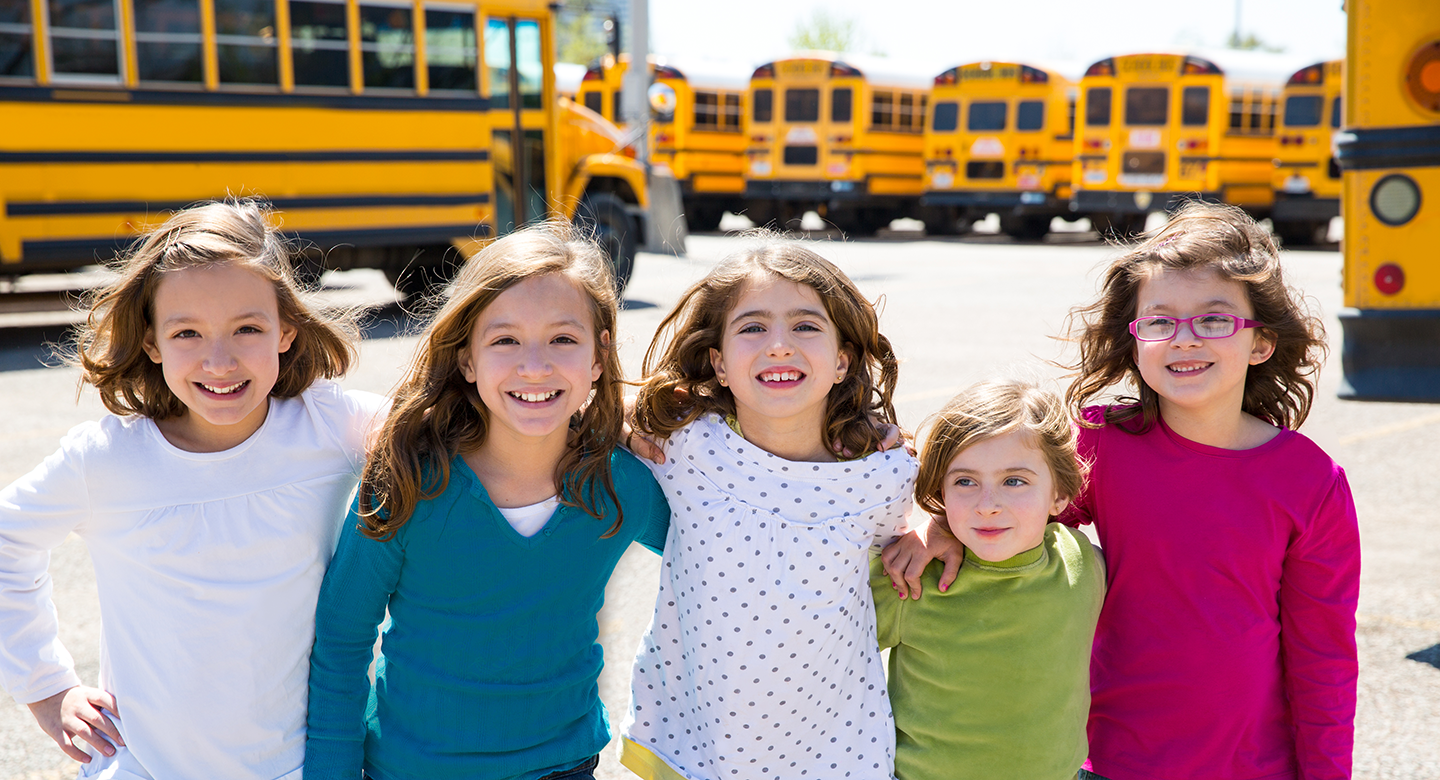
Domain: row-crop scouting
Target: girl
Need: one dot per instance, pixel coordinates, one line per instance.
(990, 679)
(498, 461)
(208, 501)
(1226, 648)
(761, 660)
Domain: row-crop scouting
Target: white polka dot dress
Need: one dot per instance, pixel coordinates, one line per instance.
(761, 658)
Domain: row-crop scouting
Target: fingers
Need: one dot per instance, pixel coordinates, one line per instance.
(647, 448)
(913, 569)
(952, 569)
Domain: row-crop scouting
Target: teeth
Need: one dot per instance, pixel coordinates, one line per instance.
(536, 398)
(1185, 369)
(225, 390)
(780, 376)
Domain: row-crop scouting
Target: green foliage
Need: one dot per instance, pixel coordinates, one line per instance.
(579, 36)
(1251, 42)
(825, 32)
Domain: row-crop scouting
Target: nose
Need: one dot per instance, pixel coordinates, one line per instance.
(535, 362)
(989, 503)
(220, 358)
(1184, 335)
(780, 345)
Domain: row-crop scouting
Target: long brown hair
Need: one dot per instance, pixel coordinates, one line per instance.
(1201, 236)
(680, 382)
(109, 348)
(437, 414)
(985, 411)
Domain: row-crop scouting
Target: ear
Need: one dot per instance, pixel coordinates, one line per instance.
(288, 333)
(1264, 347)
(151, 348)
(718, 364)
(467, 367)
(1059, 506)
(599, 367)
(842, 364)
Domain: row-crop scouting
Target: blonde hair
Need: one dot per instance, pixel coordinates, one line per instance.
(680, 383)
(109, 348)
(437, 414)
(987, 410)
(1201, 236)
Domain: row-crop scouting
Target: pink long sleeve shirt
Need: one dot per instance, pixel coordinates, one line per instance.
(1226, 647)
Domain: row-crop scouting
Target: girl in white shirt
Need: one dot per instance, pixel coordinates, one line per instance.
(209, 500)
(767, 381)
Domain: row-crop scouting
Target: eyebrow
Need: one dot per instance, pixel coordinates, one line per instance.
(1011, 470)
(1209, 306)
(569, 322)
(793, 313)
(183, 319)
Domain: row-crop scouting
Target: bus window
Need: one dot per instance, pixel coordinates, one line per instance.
(920, 115)
(614, 106)
(1070, 116)
(1335, 111)
(882, 110)
(529, 63)
(986, 115)
(1147, 106)
(764, 110)
(1303, 110)
(732, 112)
(595, 101)
(707, 111)
(840, 104)
(168, 42)
(1237, 111)
(387, 47)
(802, 105)
(84, 38)
(450, 50)
(1030, 115)
(1097, 107)
(15, 46)
(1195, 106)
(320, 43)
(1257, 107)
(245, 33)
(497, 62)
(947, 117)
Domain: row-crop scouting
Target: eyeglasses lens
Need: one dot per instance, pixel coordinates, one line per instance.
(1205, 326)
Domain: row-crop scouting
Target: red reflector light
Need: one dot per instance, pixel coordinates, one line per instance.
(948, 78)
(1105, 67)
(593, 74)
(1389, 279)
(764, 72)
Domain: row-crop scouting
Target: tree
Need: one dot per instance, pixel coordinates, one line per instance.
(1250, 42)
(825, 32)
(580, 36)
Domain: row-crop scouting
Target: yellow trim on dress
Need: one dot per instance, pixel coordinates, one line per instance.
(646, 764)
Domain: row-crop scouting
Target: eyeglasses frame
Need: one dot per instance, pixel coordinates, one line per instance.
(1240, 324)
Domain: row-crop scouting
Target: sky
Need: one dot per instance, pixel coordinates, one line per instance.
(942, 33)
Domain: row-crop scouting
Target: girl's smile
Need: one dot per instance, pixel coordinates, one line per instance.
(217, 335)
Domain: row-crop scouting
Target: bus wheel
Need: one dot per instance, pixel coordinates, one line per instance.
(1118, 227)
(614, 231)
(1303, 233)
(429, 269)
(1024, 228)
(943, 221)
(307, 268)
(703, 219)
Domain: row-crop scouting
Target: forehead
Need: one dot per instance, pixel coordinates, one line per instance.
(768, 292)
(213, 289)
(1186, 289)
(544, 300)
(1018, 447)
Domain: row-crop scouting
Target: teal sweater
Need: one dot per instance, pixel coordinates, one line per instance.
(490, 663)
(991, 679)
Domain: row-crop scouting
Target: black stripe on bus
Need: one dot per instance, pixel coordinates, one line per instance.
(1360, 149)
(180, 97)
(407, 155)
(101, 249)
(63, 208)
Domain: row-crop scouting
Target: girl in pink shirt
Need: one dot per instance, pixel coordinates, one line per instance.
(1226, 647)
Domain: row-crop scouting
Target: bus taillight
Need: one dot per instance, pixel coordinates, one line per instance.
(1105, 67)
(1389, 279)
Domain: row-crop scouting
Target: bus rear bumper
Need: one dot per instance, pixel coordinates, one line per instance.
(1303, 208)
(1019, 202)
(1390, 355)
(807, 191)
(1139, 202)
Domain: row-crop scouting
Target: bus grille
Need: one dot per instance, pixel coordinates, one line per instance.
(802, 155)
(1144, 162)
(985, 169)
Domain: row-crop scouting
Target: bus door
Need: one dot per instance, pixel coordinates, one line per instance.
(798, 131)
(1145, 140)
(1192, 135)
(514, 56)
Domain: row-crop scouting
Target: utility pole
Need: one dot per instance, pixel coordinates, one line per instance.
(634, 101)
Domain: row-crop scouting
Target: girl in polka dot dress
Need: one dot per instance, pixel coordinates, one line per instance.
(760, 662)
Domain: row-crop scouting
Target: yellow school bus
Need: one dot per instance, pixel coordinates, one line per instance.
(1000, 139)
(695, 127)
(843, 136)
(1156, 128)
(1389, 153)
(387, 134)
(1307, 178)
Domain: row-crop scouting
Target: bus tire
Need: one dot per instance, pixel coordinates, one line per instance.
(1024, 228)
(1302, 233)
(603, 215)
(1118, 227)
(703, 219)
(430, 268)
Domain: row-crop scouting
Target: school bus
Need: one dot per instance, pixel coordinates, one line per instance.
(1307, 178)
(841, 136)
(387, 134)
(1000, 139)
(1157, 128)
(1389, 155)
(695, 127)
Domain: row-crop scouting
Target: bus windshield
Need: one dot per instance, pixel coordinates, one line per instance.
(1146, 105)
(1303, 110)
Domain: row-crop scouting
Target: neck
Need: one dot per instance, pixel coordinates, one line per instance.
(192, 433)
(791, 439)
(1235, 430)
(518, 470)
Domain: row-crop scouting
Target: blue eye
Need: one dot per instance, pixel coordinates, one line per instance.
(753, 327)
(1015, 482)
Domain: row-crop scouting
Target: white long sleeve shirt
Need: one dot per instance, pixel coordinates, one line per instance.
(208, 567)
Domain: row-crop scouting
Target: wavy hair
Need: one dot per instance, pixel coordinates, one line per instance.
(1200, 237)
(680, 383)
(109, 347)
(437, 414)
(994, 408)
